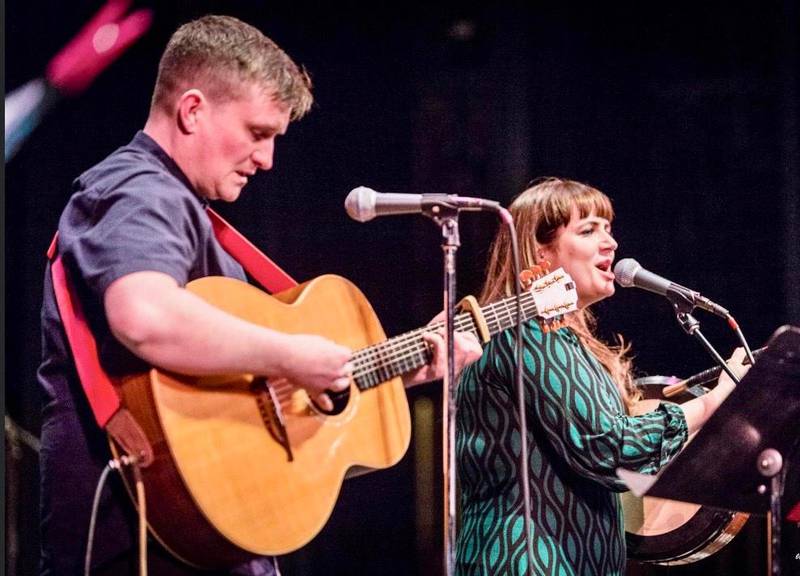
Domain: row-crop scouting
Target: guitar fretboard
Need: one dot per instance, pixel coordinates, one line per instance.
(397, 356)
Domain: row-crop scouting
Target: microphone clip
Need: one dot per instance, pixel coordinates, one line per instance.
(439, 207)
(685, 300)
(682, 301)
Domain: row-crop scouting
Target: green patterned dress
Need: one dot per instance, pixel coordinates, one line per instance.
(578, 434)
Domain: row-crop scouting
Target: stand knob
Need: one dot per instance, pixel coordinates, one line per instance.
(770, 462)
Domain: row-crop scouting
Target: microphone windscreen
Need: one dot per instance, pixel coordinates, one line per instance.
(625, 270)
(360, 204)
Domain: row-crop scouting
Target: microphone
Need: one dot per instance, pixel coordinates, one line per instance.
(364, 204)
(628, 272)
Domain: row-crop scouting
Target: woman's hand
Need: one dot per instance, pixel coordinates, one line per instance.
(699, 410)
(737, 366)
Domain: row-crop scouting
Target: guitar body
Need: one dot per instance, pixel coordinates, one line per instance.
(245, 469)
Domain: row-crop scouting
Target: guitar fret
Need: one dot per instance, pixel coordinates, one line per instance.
(529, 308)
(508, 312)
(386, 360)
(406, 360)
(396, 356)
(468, 325)
(496, 318)
(497, 322)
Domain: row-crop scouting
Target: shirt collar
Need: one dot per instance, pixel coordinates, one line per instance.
(142, 141)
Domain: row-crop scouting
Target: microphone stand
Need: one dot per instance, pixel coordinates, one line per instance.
(683, 307)
(446, 216)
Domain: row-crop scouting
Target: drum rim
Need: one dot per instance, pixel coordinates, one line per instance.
(703, 528)
(696, 534)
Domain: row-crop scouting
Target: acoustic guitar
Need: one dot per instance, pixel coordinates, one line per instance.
(248, 467)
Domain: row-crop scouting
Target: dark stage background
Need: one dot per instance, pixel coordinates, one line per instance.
(686, 114)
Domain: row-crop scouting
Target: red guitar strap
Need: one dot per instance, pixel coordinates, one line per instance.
(97, 385)
(100, 392)
(254, 261)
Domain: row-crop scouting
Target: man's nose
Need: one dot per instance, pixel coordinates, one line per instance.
(262, 157)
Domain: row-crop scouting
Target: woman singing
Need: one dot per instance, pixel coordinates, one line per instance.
(578, 394)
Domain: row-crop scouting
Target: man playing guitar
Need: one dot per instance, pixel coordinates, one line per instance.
(133, 234)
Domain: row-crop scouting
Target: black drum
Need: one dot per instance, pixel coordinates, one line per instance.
(667, 532)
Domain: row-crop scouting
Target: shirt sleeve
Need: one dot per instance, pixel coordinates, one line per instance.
(146, 224)
(574, 406)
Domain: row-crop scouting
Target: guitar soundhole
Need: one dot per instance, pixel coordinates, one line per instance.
(339, 400)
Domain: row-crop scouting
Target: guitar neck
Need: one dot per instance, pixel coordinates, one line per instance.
(402, 354)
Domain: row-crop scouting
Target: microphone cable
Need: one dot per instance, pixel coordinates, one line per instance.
(524, 476)
(141, 505)
(735, 327)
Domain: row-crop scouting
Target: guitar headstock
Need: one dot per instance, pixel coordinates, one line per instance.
(555, 295)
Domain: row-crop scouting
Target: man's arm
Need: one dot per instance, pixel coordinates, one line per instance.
(170, 327)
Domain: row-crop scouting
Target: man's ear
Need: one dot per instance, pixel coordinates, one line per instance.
(192, 107)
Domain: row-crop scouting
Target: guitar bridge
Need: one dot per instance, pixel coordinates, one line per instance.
(271, 414)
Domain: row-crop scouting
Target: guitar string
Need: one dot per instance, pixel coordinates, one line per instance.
(396, 344)
(399, 344)
(400, 353)
(399, 348)
(465, 320)
(405, 346)
(415, 354)
(366, 357)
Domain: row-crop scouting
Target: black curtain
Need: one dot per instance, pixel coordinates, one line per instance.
(684, 113)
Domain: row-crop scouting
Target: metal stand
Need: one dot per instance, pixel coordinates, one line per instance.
(683, 308)
(770, 465)
(770, 462)
(17, 438)
(447, 218)
(13, 464)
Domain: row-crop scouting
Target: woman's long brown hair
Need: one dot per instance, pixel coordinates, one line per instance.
(539, 212)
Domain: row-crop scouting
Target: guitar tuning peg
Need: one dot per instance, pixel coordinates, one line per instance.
(526, 278)
(529, 275)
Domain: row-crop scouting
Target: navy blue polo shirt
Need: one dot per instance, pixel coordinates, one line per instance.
(134, 211)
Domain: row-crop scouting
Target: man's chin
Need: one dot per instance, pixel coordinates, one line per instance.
(231, 195)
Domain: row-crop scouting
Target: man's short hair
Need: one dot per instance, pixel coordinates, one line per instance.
(217, 54)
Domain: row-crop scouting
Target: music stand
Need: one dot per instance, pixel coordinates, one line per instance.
(738, 460)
